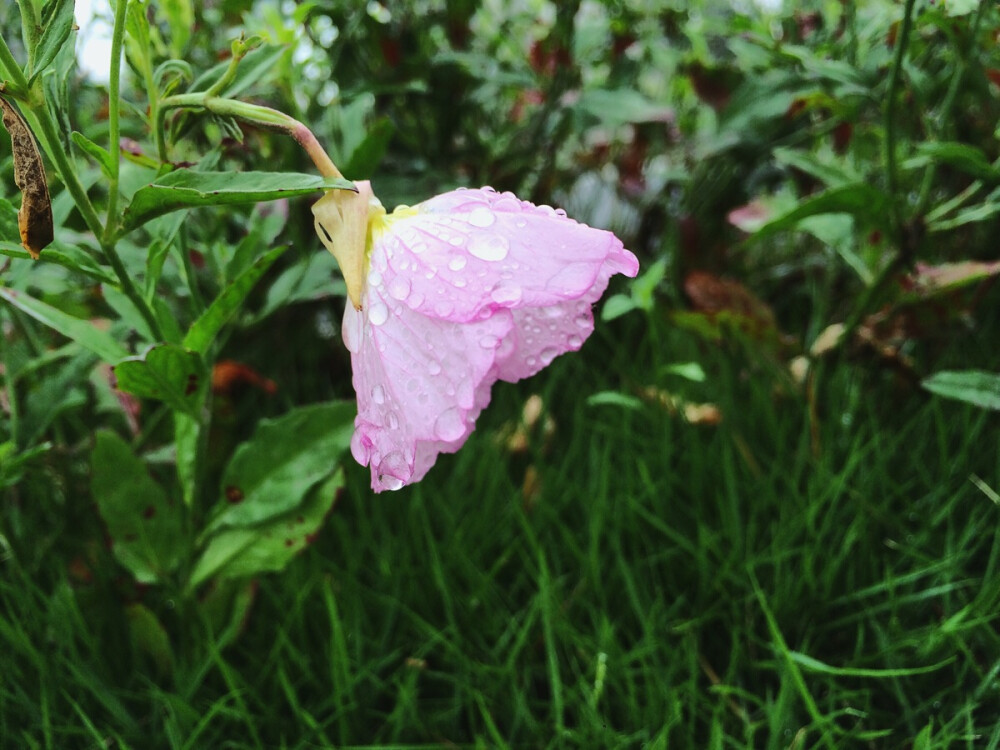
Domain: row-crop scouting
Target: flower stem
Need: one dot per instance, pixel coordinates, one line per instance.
(889, 120)
(265, 117)
(114, 125)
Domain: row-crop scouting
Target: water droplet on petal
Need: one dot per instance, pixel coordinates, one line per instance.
(444, 308)
(399, 288)
(489, 247)
(574, 342)
(449, 425)
(481, 216)
(457, 263)
(506, 293)
(378, 394)
(393, 471)
(457, 240)
(489, 341)
(360, 447)
(583, 320)
(378, 314)
(392, 421)
(375, 278)
(520, 223)
(351, 330)
(434, 368)
(548, 355)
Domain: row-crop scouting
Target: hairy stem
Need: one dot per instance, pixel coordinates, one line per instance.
(114, 125)
(265, 117)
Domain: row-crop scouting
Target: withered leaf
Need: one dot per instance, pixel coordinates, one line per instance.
(35, 217)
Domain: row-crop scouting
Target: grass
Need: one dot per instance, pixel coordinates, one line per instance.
(629, 580)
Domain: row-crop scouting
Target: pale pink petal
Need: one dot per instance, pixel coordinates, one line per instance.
(464, 289)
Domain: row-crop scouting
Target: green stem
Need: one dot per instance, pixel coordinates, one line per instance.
(889, 125)
(949, 102)
(30, 28)
(263, 116)
(114, 124)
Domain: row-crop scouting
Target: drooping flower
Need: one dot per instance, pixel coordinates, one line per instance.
(447, 297)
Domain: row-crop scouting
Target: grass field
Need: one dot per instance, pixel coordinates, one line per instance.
(652, 584)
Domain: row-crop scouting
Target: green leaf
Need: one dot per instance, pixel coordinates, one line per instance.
(617, 305)
(614, 398)
(83, 332)
(960, 156)
(858, 199)
(621, 106)
(815, 665)
(271, 545)
(272, 472)
(67, 256)
(150, 638)
(975, 387)
(57, 30)
(204, 330)
(186, 188)
(166, 372)
(187, 435)
(365, 158)
(95, 152)
(145, 529)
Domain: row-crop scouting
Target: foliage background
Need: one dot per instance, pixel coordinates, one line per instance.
(736, 519)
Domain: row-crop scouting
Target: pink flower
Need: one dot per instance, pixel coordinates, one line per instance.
(467, 288)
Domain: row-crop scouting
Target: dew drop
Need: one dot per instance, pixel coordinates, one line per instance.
(531, 361)
(392, 421)
(393, 471)
(489, 341)
(434, 368)
(457, 263)
(399, 288)
(378, 314)
(506, 293)
(457, 240)
(351, 330)
(444, 308)
(481, 216)
(375, 278)
(520, 223)
(378, 394)
(548, 354)
(574, 342)
(489, 247)
(449, 425)
(360, 448)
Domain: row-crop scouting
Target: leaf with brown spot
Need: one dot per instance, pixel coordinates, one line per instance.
(35, 217)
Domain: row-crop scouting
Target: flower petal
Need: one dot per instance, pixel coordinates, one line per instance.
(464, 289)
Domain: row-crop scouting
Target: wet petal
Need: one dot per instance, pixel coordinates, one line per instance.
(462, 290)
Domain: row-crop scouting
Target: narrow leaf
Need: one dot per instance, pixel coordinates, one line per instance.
(57, 31)
(143, 526)
(95, 152)
(204, 330)
(859, 199)
(975, 387)
(166, 372)
(186, 188)
(83, 332)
